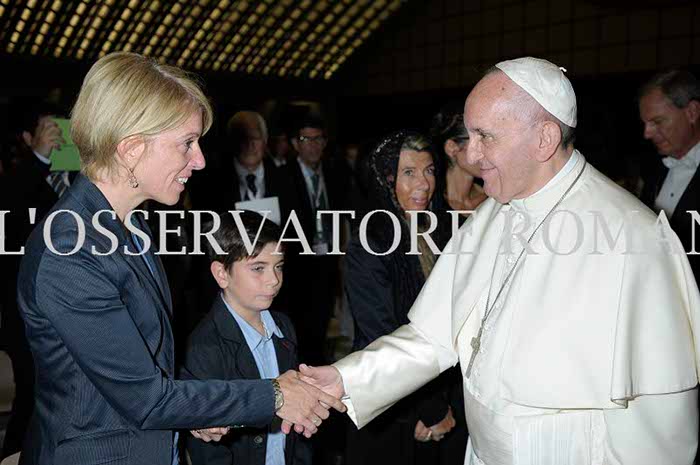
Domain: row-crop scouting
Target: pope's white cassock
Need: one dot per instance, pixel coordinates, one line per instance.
(586, 358)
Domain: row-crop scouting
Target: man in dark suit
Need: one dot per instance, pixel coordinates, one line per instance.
(669, 107)
(31, 185)
(314, 281)
(253, 176)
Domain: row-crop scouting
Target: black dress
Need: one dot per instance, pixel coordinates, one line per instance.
(380, 293)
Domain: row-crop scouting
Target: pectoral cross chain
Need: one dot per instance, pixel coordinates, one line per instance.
(476, 345)
(476, 341)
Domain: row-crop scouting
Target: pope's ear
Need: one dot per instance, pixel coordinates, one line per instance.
(550, 138)
(130, 149)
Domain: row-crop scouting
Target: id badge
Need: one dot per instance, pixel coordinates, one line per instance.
(320, 248)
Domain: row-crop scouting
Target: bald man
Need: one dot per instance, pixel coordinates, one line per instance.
(575, 349)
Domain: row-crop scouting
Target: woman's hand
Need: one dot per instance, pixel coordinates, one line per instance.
(210, 434)
(422, 433)
(436, 432)
(444, 427)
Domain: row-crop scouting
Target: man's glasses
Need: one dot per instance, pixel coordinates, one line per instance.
(316, 139)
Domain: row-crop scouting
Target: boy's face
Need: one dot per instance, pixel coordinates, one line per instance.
(251, 284)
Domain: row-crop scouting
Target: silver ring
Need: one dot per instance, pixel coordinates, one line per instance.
(316, 421)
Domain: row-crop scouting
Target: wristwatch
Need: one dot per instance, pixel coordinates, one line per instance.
(279, 397)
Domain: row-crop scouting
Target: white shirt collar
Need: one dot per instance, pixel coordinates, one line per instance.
(42, 158)
(307, 171)
(242, 171)
(690, 160)
(252, 336)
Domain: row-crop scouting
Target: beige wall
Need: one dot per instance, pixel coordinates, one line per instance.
(443, 44)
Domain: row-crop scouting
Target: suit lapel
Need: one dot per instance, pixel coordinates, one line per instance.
(157, 334)
(270, 173)
(159, 271)
(688, 198)
(156, 281)
(285, 350)
(165, 337)
(305, 211)
(663, 174)
(284, 353)
(138, 264)
(229, 330)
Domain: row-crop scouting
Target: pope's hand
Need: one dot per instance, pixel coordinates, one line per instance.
(305, 406)
(326, 378)
(210, 434)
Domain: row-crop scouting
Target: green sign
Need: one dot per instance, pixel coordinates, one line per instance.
(67, 157)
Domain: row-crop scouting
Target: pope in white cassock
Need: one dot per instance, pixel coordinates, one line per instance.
(572, 312)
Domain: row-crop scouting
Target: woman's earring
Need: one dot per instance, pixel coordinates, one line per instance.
(133, 182)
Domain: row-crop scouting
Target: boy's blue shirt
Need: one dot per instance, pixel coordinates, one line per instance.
(263, 350)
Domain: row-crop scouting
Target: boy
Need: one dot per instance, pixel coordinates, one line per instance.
(241, 339)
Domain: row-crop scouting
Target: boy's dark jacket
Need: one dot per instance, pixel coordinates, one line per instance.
(217, 349)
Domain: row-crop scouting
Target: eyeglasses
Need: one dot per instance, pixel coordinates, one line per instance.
(317, 139)
(460, 139)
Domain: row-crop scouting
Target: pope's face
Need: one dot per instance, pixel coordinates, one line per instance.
(499, 142)
(670, 128)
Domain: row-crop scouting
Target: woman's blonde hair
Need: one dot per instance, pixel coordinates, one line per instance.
(126, 94)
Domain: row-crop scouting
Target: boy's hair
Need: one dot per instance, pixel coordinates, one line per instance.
(229, 237)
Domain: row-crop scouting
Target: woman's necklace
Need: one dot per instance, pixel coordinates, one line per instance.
(476, 341)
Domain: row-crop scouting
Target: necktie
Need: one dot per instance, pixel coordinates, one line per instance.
(250, 181)
(319, 198)
(57, 183)
(319, 203)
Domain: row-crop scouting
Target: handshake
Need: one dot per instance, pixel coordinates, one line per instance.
(307, 396)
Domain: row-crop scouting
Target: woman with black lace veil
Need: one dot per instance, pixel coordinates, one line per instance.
(381, 290)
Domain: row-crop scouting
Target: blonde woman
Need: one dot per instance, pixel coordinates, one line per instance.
(98, 319)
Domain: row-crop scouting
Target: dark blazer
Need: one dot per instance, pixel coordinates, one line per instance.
(336, 190)
(100, 332)
(380, 292)
(681, 222)
(379, 300)
(219, 189)
(273, 182)
(217, 349)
